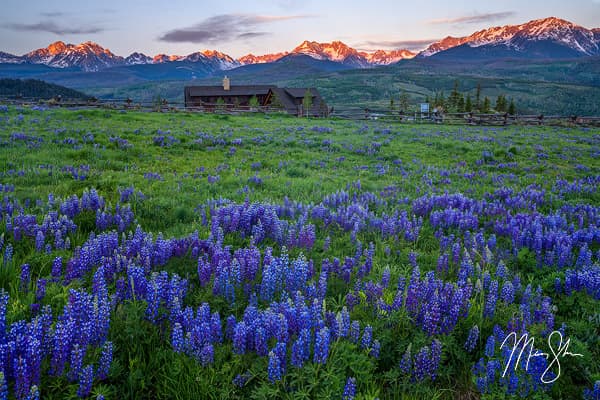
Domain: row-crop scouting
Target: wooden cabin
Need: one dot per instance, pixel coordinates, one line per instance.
(229, 96)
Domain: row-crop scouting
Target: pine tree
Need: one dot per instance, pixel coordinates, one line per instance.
(392, 106)
(253, 102)
(511, 108)
(486, 105)
(453, 99)
(501, 103)
(468, 104)
(307, 101)
(460, 106)
(404, 101)
(442, 100)
(478, 97)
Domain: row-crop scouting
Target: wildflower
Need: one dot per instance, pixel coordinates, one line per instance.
(349, 389)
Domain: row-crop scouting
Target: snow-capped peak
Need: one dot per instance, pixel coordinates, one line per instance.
(551, 29)
(137, 59)
(89, 56)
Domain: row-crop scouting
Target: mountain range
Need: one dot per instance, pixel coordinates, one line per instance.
(91, 57)
(547, 38)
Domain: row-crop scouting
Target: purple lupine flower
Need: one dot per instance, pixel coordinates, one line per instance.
(8, 253)
(177, 338)
(354, 331)
(421, 364)
(321, 346)
(56, 271)
(367, 337)
(385, 278)
(491, 299)
(230, 327)
(34, 393)
(326, 243)
(344, 322)
(105, 361)
(375, 349)
(508, 293)
(274, 369)
(39, 240)
(239, 338)
(349, 389)
(593, 393)
(215, 327)
(412, 259)
(241, 379)
(25, 276)
(261, 345)
(436, 357)
(41, 289)
(406, 362)
(207, 354)
(472, 339)
(86, 379)
(490, 346)
(77, 355)
(301, 349)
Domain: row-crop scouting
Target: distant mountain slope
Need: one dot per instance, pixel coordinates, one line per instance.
(543, 38)
(7, 58)
(33, 88)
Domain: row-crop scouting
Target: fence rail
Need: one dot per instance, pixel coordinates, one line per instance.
(351, 113)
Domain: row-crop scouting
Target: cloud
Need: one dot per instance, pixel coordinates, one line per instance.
(399, 44)
(49, 26)
(52, 14)
(474, 19)
(223, 28)
(250, 35)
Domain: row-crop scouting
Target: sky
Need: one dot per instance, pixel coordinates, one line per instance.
(238, 27)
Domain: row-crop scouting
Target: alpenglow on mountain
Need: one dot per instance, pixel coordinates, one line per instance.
(90, 56)
(543, 38)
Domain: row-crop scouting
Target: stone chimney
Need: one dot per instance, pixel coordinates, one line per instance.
(226, 83)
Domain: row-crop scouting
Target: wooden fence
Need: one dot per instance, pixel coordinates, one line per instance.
(352, 113)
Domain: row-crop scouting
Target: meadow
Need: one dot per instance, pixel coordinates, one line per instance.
(181, 255)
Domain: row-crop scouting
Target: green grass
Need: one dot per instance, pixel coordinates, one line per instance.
(296, 163)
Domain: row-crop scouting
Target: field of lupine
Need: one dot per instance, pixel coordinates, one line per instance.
(180, 256)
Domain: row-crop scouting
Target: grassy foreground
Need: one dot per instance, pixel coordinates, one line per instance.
(302, 258)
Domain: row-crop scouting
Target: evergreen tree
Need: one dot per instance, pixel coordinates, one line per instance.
(460, 106)
(253, 102)
(468, 104)
(275, 102)
(307, 101)
(478, 97)
(486, 105)
(501, 103)
(511, 108)
(404, 101)
(453, 99)
(392, 106)
(442, 100)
